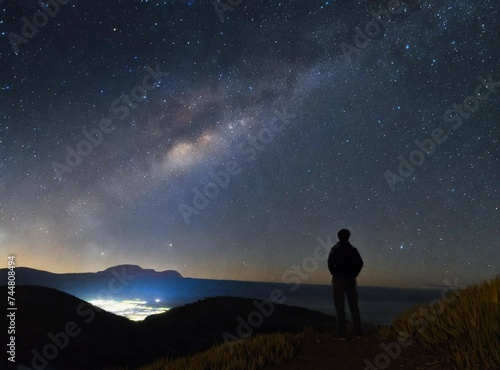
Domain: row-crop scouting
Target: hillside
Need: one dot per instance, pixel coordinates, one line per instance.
(96, 338)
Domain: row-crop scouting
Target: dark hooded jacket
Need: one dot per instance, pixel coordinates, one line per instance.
(344, 261)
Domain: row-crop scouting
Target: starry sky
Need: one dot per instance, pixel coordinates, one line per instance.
(223, 142)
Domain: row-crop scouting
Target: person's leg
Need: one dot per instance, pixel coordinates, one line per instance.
(352, 300)
(339, 302)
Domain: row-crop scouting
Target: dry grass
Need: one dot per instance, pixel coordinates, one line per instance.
(464, 326)
(248, 354)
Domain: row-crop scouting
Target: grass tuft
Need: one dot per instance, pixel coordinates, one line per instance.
(248, 354)
(464, 325)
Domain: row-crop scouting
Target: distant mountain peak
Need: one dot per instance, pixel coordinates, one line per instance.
(138, 271)
(128, 267)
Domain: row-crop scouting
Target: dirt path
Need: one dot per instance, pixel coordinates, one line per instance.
(322, 351)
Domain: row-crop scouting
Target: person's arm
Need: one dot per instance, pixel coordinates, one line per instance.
(331, 262)
(359, 262)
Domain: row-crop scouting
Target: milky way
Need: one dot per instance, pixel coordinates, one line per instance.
(223, 141)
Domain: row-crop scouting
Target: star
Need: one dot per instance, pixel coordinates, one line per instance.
(245, 140)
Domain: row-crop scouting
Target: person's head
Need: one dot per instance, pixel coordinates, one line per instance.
(344, 235)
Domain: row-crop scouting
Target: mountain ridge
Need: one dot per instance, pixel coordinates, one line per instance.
(140, 271)
(130, 268)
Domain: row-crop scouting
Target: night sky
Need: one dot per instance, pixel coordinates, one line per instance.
(308, 125)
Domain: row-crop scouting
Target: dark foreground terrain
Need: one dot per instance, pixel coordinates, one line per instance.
(55, 330)
(323, 351)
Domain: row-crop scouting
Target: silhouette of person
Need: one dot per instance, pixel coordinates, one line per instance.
(345, 264)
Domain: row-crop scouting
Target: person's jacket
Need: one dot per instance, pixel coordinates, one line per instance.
(344, 261)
